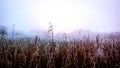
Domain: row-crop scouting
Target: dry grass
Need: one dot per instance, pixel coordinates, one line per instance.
(77, 54)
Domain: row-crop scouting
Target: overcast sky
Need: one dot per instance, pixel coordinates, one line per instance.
(65, 15)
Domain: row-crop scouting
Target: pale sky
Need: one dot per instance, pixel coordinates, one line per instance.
(65, 15)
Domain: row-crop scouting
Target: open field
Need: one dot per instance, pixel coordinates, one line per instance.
(37, 53)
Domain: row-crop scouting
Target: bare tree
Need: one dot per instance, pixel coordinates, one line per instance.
(3, 32)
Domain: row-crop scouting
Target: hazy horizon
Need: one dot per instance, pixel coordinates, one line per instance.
(65, 15)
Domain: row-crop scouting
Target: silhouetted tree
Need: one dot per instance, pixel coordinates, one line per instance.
(3, 32)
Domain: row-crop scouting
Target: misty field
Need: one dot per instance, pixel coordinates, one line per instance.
(39, 53)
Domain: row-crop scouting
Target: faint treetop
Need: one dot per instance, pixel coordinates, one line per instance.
(3, 30)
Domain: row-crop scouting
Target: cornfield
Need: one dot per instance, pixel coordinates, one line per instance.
(38, 53)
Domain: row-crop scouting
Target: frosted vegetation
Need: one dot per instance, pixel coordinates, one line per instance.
(67, 51)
